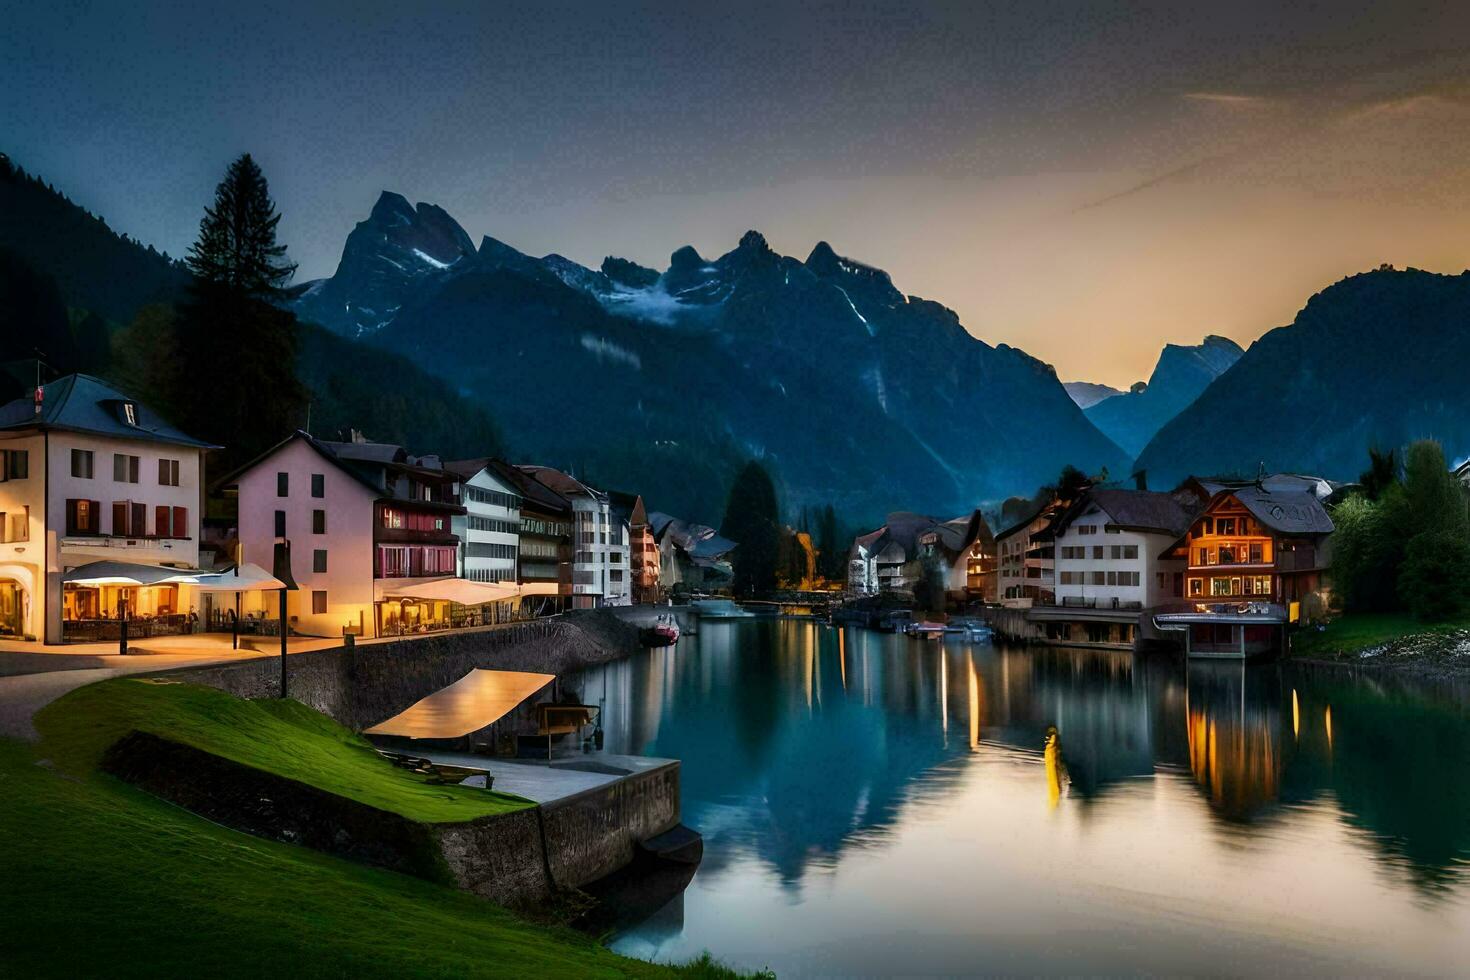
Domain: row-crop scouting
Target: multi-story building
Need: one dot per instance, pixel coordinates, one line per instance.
(300, 491)
(1254, 555)
(1110, 565)
(89, 474)
(490, 529)
(1025, 560)
(887, 559)
(544, 556)
(965, 547)
(630, 522)
(594, 556)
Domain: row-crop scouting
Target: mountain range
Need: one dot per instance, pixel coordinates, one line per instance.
(1376, 359)
(1131, 418)
(855, 393)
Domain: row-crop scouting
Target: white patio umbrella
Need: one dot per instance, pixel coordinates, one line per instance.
(99, 573)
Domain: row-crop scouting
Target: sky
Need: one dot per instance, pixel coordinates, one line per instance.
(1085, 181)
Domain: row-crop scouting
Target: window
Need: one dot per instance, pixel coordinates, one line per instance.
(1097, 551)
(319, 560)
(168, 472)
(1112, 578)
(1113, 530)
(129, 520)
(81, 464)
(1196, 586)
(15, 464)
(82, 517)
(124, 468)
(1087, 529)
(119, 518)
(318, 522)
(1098, 578)
(318, 485)
(486, 549)
(318, 602)
(130, 413)
(1258, 553)
(1225, 526)
(280, 523)
(1220, 586)
(283, 484)
(494, 498)
(1130, 551)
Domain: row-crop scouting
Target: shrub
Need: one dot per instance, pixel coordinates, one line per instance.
(1434, 580)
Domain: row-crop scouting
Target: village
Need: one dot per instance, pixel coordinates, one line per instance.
(112, 527)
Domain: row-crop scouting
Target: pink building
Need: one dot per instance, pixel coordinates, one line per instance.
(301, 492)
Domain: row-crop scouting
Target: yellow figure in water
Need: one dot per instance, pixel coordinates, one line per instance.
(1055, 767)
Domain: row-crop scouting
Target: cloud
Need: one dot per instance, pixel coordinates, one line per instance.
(1227, 99)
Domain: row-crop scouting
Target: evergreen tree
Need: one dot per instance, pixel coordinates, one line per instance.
(752, 521)
(237, 245)
(1382, 472)
(831, 549)
(236, 374)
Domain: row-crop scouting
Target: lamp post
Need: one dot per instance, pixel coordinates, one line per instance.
(282, 572)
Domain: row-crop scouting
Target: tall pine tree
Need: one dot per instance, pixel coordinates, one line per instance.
(237, 246)
(752, 521)
(237, 349)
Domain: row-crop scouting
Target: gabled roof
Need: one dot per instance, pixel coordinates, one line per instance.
(700, 541)
(1024, 523)
(563, 483)
(532, 491)
(1149, 511)
(1288, 512)
(468, 469)
(82, 403)
(232, 479)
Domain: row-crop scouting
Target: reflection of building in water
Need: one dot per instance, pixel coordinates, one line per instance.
(1234, 727)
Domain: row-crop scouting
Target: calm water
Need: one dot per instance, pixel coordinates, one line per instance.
(874, 805)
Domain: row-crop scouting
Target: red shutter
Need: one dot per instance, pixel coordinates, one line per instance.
(181, 522)
(161, 522)
(94, 518)
(119, 519)
(138, 523)
(71, 515)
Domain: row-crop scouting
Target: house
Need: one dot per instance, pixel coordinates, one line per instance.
(692, 557)
(302, 492)
(1110, 566)
(630, 513)
(965, 547)
(544, 560)
(490, 529)
(599, 566)
(887, 559)
(1026, 559)
(87, 474)
(1254, 560)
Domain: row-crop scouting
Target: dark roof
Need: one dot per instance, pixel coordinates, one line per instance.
(1022, 524)
(233, 478)
(1135, 510)
(82, 403)
(533, 492)
(700, 541)
(562, 483)
(1289, 512)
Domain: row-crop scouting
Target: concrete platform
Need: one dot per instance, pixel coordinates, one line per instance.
(536, 781)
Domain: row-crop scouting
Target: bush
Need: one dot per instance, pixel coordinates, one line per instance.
(1434, 580)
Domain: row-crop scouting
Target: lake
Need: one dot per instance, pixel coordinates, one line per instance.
(873, 804)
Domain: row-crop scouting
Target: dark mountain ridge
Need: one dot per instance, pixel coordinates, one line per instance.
(1182, 372)
(856, 393)
(1376, 359)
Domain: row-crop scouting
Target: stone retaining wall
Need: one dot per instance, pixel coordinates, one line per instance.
(373, 682)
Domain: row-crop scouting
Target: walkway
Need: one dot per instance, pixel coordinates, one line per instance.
(537, 781)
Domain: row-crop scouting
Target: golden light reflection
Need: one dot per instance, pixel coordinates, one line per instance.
(974, 706)
(1296, 715)
(842, 655)
(1236, 762)
(1327, 719)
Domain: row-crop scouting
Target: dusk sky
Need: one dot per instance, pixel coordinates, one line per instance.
(1082, 181)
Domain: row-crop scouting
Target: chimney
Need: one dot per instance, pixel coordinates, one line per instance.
(1140, 480)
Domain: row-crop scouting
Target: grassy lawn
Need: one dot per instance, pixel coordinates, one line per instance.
(281, 737)
(100, 878)
(1348, 636)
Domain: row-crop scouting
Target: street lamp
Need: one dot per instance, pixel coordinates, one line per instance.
(282, 571)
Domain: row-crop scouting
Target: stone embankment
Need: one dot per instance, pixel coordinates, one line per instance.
(367, 684)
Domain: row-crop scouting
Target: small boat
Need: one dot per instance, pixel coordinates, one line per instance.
(927, 629)
(663, 633)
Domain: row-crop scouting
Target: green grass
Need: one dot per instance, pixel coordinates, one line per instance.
(100, 878)
(281, 737)
(1348, 635)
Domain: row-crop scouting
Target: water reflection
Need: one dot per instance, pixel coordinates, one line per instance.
(829, 764)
